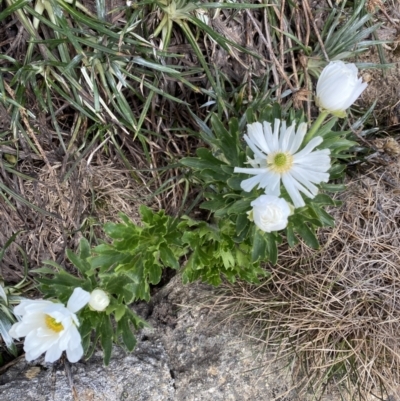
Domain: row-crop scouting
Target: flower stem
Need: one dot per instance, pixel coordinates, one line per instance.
(314, 128)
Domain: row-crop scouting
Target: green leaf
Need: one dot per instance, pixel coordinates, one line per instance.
(84, 248)
(242, 222)
(119, 312)
(206, 155)
(127, 336)
(240, 206)
(333, 187)
(7, 244)
(146, 214)
(325, 218)
(106, 337)
(43, 271)
(304, 231)
(290, 236)
(168, 258)
(196, 163)
(213, 205)
(228, 143)
(259, 250)
(79, 263)
(234, 182)
(272, 248)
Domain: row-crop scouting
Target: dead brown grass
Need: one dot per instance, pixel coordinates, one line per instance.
(336, 313)
(92, 195)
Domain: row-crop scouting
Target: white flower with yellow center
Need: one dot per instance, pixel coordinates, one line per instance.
(277, 159)
(50, 327)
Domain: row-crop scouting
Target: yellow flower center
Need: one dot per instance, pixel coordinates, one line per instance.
(52, 324)
(280, 162)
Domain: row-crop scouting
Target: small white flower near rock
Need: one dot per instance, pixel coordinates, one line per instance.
(99, 300)
(338, 87)
(50, 327)
(270, 213)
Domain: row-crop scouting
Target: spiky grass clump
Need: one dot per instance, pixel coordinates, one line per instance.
(336, 313)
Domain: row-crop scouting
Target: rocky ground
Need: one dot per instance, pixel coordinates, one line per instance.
(189, 354)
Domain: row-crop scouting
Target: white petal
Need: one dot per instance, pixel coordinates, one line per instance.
(318, 160)
(252, 171)
(257, 153)
(356, 94)
(310, 175)
(275, 136)
(35, 347)
(74, 338)
(303, 189)
(273, 187)
(298, 138)
(256, 134)
(53, 353)
(31, 306)
(22, 329)
(75, 354)
(293, 192)
(250, 183)
(301, 178)
(286, 137)
(78, 300)
(308, 148)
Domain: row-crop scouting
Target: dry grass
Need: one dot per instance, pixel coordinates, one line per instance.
(336, 313)
(92, 195)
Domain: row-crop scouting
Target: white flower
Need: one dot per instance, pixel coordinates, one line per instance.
(338, 87)
(99, 300)
(270, 213)
(275, 159)
(50, 327)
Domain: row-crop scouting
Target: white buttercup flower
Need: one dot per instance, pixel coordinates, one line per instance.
(99, 300)
(338, 87)
(50, 327)
(270, 213)
(277, 158)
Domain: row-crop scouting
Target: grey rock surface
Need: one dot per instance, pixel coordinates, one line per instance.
(188, 355)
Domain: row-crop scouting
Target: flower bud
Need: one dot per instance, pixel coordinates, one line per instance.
(99, 300)
(338, 87)
(270, 213)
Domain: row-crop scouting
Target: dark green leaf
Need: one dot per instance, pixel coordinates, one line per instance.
(79, 263)
(304, 231)
(127, 335)
(168, 258)
(234, 182)
(242, 222)
(259, 250)
(272, 248)
(239, 206)
(106, 337)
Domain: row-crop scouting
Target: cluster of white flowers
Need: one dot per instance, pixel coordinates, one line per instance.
(279, 157)
(53, 328)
